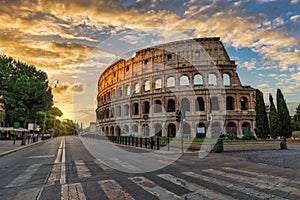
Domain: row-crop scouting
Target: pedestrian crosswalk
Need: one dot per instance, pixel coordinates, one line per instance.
(209, 183)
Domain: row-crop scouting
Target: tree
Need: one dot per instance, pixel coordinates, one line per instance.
(297, 114)
(274, 119)
(24, 90)
(262, 129)
(284, 115)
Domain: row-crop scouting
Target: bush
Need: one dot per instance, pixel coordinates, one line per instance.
(248, 136)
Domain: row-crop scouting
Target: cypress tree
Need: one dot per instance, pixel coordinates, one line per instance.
(297, 114)
(284, 115)
(262, 129)
(274, 119)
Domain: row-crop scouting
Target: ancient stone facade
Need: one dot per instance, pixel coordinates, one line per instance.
(142, 94)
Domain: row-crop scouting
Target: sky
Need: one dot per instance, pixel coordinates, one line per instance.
(74, 40)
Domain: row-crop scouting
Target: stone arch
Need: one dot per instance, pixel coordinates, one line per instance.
(137, 88)
(171, 82)
(146, 130)
(119, 111)
(146, 107)
(212, 79)
(171, 130)
(214, 103)
(245, 128)
(171, 105)
(231, 129)
(135, 128)
(226, 79)
(112, 130)
(118, 130)
(199, 104)
(186, 130)
(135, 108)
(185, 105)
(157, 129)
(198, 79)
(147, 86)
(229, 103)
(157, 106)
(201, 130)
(184, 80)
(126, 109)
(125, 128)
(157, 83)
(215, 130)
(244, 103)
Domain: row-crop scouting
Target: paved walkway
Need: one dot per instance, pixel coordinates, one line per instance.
(8, 146)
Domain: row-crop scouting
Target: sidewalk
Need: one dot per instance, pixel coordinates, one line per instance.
(8, 146)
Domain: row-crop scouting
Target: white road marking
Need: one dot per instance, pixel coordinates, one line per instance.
(82, 169)
(24, 176)
(63, 163)
(44, 156)
(200, 190)
(239, 188)
(114, 191)
(102, 165)
(72, 191)
(125, 165)
(154, 189)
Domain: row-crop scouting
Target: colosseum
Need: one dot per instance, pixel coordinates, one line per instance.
(141, 94)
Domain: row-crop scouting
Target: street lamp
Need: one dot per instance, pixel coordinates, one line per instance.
(55, 82)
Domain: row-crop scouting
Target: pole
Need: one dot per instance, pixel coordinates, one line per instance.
(44, 127)
(181, 135)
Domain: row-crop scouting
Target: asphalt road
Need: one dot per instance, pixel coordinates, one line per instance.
(63, 168)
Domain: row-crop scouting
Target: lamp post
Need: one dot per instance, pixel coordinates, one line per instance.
(55, 82)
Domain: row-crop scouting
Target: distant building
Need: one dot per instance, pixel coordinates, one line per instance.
(143, 93)
(93, 127)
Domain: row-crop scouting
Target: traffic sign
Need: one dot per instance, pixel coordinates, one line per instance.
(209, 117)
(145, 116)
(16, 125)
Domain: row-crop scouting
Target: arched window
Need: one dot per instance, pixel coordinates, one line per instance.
(171, 105)
(120, 92)
(157, 106)
(126, 110)
(125, 128)
(135, 128)
(198, 80)
(118, 130)
(158, 130)
(171, 82)
(137, 88)
(244, 103)
(231, 129)
(112, 112)
(146, 129)
(118, 111)
(128, 90)
(112, 130)
(146, 107)
(186, 130)
(245, 128)
(199, 104)
(229, 103)
(158, 84)
(201, 131)
(212, 79)
(215, 130)
(226, 79)
(185, 105)
(184, 80)
(171, 130)
(147, 86)
(135, 109)
(214, 103)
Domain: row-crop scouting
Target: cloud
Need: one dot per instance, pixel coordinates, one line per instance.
(69, 88)
(264, 85)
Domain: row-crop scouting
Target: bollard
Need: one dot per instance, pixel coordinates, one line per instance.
(141, 142)
(219, 147)
(283, 144)
(151, 143)
(146, 140)
(157, 143)
(136, 141)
